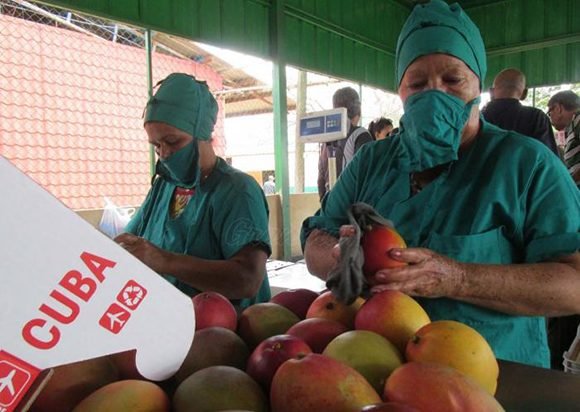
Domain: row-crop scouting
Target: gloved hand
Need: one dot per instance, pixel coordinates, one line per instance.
(347, 281)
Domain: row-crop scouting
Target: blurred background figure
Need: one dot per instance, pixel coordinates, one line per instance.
(380, 128)
(564, 112)
(343, 150)
(270, 186)
(506, 111)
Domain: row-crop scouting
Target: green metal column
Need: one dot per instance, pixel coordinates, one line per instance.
(277, 28)
(149, 53)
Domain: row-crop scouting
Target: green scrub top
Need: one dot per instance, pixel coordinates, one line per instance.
(508, 199)
(227, 212)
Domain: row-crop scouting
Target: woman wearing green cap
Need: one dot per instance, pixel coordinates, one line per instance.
(491, 218)
(203, 224)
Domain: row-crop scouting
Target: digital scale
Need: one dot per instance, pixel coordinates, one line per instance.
(322, 127)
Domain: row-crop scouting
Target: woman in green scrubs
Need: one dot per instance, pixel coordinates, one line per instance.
(491, 217)
(203, 224)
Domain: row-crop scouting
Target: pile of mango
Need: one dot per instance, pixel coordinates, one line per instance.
(302, 351)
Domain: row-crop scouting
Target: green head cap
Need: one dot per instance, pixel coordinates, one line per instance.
(185, 103)
(438, 27)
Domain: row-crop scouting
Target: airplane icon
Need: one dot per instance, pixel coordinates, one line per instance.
(115, 319)
(16, 377)
(6, 382)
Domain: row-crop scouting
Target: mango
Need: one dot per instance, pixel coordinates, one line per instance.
(262, 320)
(126, 396)
(393, 315)
(376, 243)
(319, 383)
(367, 352)
(214, 309)
(297, 300)
(456, 345)
(317, 332)
(213, 346)
(326, 306)
(437, 388)
(389, 407)
(219, 388)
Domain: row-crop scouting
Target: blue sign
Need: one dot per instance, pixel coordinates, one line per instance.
(333, 123)
(312, 125)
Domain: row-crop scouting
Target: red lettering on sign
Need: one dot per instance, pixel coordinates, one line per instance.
(59, 317)
(35, 331)
(97, 264)
(30, 337)
(75, 283)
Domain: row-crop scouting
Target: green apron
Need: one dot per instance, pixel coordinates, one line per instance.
(227, 212)
(508, 199)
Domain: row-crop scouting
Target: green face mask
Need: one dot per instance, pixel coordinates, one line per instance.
(431, 128)
(181, 167)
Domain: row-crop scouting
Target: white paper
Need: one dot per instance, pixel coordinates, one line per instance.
(121, 305)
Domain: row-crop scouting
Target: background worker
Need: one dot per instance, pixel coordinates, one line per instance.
(343, 150)
(203, 224)
(564, 112)
(380, 128)
(505, 110)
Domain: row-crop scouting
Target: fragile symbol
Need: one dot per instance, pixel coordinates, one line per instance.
(132, 294)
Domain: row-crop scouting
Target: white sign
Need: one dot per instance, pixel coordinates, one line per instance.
(69, 293)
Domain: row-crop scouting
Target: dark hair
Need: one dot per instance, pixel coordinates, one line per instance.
(348, 98)
(566, 98)
(379, 124)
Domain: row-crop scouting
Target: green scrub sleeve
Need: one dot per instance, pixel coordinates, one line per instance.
(552, 225)
(241, 218)
(135, 224)
(333, 210)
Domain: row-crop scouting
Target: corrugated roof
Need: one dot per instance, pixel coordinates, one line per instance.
(356, 40)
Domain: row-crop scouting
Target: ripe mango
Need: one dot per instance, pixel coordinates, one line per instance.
(393, 315)
(213, 346)
(262, 320)
(319, 383)
(126, 396)
(326, 306)
(367, 352)
(459, 346)
(376, 243)
(437, 388)
(219, 388)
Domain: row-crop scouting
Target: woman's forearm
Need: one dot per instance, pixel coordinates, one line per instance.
(540, 289)
(236, 278)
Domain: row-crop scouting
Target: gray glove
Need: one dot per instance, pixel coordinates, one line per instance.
(347, 281)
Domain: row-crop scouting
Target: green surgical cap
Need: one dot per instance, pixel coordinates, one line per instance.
(185, 103)
(437, 27)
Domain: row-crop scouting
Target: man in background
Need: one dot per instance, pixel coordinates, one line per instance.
(506, 111)
(269, 186)
(343, 150)
(564, 112)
